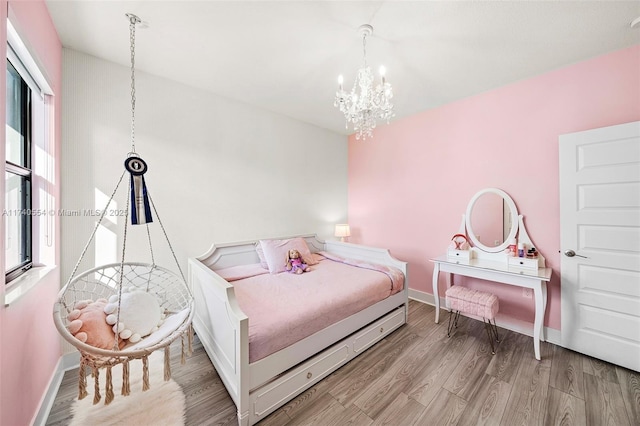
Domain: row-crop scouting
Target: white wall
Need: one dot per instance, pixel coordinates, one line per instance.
(219, 170)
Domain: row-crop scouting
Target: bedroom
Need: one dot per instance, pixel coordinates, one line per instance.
(240, 152)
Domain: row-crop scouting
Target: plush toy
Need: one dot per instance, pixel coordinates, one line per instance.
(140, 314)
(294, 263)
(88, 323)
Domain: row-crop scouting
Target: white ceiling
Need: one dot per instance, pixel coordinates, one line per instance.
(285, 56)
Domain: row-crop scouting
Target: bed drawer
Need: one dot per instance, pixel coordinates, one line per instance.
(376, 331)
(283, 389)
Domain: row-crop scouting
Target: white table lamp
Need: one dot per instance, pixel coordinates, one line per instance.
(342, 231)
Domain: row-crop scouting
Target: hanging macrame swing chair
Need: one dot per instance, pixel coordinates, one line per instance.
(171, 299)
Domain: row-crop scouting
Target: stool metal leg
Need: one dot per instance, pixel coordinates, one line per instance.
(454, 324)
(492, 330)
(495, 330)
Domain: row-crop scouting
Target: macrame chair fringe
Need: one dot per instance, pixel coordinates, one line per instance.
(186, 349)
(126, 390)
(82, 381)
(145, 373)
(167, 363)
(183, 359)
(190, 332)
(108, 393)
(96, 387)
(93, 363)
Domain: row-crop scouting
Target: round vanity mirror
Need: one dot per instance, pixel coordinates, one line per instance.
(491, 220)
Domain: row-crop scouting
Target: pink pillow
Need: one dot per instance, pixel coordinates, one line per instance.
(88, 323)
(275, 252)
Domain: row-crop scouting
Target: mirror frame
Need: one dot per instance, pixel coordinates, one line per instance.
(514, 220)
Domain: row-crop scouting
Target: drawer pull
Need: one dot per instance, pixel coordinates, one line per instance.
(309, 375)
(381, 329)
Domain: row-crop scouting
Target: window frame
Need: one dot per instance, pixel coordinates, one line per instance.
(24, 171)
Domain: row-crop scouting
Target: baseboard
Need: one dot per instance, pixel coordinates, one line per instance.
(66, 362)
(70, 361)
(421, 296)
(551, 335)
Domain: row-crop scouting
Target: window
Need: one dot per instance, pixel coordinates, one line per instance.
(30, 167)
(17, 212)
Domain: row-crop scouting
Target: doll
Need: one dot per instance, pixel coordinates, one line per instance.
(295, 264)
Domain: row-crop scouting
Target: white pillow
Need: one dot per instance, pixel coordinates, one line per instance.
(140, 314)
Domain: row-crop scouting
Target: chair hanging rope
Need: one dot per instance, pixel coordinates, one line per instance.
(133, 21)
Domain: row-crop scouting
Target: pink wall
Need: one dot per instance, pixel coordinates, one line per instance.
(410, 184)
(29, 343)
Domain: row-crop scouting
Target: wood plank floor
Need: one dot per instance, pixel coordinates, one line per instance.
(419, 376)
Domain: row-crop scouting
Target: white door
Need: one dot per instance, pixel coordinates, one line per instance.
(600, 220)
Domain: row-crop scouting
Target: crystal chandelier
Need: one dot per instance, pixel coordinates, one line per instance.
(365, 106)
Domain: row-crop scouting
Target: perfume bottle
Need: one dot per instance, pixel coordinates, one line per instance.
(520, 249)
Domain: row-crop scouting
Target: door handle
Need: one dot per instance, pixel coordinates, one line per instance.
(571, 253)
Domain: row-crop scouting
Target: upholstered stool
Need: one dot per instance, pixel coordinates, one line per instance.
(473, 302)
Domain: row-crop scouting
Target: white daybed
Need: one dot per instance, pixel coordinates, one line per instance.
(258, 388)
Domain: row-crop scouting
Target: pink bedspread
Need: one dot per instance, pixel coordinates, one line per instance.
(285, 308)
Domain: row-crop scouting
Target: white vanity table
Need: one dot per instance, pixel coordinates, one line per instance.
(493, 263)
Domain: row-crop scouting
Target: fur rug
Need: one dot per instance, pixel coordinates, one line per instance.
(162, 404)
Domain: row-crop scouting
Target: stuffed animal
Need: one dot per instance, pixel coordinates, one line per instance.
(140, 314)
(88, 323)
(295, 264)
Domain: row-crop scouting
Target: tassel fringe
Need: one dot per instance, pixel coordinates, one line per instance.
(108, 397)
(126, 390)
(89, 362)
(167, 363)
(96, 387)
(183, 359)
(145, 373)
(82, 381)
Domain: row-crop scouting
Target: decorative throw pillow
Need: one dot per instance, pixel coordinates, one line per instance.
(88, 324)
(275, 252)
(140, 314)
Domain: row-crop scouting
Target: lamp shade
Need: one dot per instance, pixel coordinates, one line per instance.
(342, 230)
